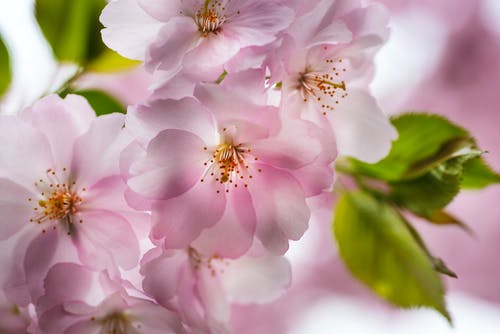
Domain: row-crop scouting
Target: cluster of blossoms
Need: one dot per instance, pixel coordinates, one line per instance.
(157, 221)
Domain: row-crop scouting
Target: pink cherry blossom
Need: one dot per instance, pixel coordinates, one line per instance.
(15, 320)
(61, 194)
(195, 35)
(325, 63)
(226, 160)
(64, 307)
(202, 288)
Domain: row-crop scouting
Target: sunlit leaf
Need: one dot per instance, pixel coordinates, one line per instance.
(379, 249)
(110, 61)
(477, 175)
(5, 68)
(101, 102)
(72, 28)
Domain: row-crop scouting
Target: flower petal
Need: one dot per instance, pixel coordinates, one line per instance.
(155, 319)
(62, 121)
(162, 10)
(258, 22)
(84, 327)
(181, 219)
(161, 274)
(282, 212)
(361, 128)
(212, 51)
(233, 235)
(19, 141)
(177, 36)
(146, 121)
(257, 280)
(128, 29)
(96, 152)
(174, 162)
(64, 282)
(15, 209)
(106, 239)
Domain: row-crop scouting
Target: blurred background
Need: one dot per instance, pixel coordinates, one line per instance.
(444, 57)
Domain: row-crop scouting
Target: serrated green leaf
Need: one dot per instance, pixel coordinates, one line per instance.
(432, 191)
(72, 28)
(424, 141)
(380, 251)
(5, 68)
(478, 175)
(101, 102)
(426, 194)
(437, 263)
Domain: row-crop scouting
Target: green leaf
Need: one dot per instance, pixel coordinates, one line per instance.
(72, 28)
(432, 191)
(424, 142)
(5, 68)
(379, 249)
(478, 175)
(110, 61)
(101, 102)
(441, 217)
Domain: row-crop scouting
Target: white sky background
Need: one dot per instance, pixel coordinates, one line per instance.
(409, 48)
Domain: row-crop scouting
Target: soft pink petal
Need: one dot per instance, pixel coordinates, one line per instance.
(38, 260)
(296, 145)
(61, 121)
(177, 37)
(13, 278)
(19, 140)
(371, 20)
(64, 282)
(233, 235)
(322, 24)
(213, 51)
(175, 162)
(259, 21)
(337, 32)
(217, 308)
(128, 29)
(190, 306)
(361, 128)
(154, 319)
(106, 239)
(96, 153)
(109, 194)
(181, 219)
(85, 327)
(15, 209)
(146, 121)
(249, 83)
(162, 274)
(177, 87)
(57, 320)
(230, 105)
(162, 10)
(282, 212)
(257, 280)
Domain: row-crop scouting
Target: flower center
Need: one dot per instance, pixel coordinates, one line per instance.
(215, 263)
(210, 17)
(57, 201)
(115, 323)
(325, 87)
(230, 164)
